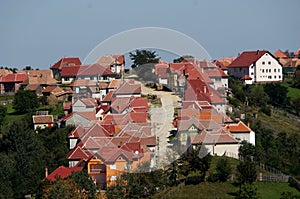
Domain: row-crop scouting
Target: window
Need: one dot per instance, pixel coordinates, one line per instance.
(269, 62)
(274, 76)
(275, 70)
(113, 178)
(263, 70)
(279, 76)
(113, 166)
(263, 63)
(270, 77)
(279, 70)
(252, 73)
(269, 70)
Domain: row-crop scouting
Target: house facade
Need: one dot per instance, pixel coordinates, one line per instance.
(261, 66)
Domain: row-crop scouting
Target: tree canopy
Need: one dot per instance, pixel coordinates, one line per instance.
(141, 57)
(25, 101)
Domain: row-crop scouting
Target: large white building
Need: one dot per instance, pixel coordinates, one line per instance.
(256, 67)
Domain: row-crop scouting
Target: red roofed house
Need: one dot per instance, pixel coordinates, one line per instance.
(65, 61)
(95, 72)
(113, 62)
(242, 132)
(42, 121)
(261, 66)
(11, 83)
(84, 105)
(61, 172)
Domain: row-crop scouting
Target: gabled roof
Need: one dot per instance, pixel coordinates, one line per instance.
(66, 61)
(212, 138)
(280, 54)
(62, 172)
(239, 128)
(215, 73)
(108, 60)
(246, 77)
(115, 83)
(128, 88)
(108, 97)
(90, 102)
(13, 78)
(247, 58)
(78, 153)
(77, 132)
(85, 70)
(201, 91)
(83, 82)
(4, 72)
(42, 119)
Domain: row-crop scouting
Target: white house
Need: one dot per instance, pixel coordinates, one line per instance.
(261, 66)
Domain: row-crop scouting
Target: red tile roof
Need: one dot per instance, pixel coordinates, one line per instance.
(85, 70)
(62, 172)
(13, 78)
(247, 58)
(66, 61)
(246, 77)
(238, 128)
(108, 97)
(215, 73)
(42, 119)
(128, 88)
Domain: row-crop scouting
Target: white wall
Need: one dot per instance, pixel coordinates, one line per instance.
(238, 72)
(268, 69)
(230, 150)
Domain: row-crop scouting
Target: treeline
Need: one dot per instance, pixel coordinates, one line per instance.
(24, 155)
(280, 150)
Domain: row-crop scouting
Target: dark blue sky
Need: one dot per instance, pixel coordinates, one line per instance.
(38, 33)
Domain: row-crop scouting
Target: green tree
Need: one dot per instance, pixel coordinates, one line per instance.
(7, 170)
(25, 101)
(247, 167)
(289, 195)
(3, 112)
(296, 105)
(297, 77)
(223, 169)
(247, 191)
(277, 94)
(180, 59)
(84, 183)
(27, 151)
(142, 57)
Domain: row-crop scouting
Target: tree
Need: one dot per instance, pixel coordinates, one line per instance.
(3, 112)
(25, 101)
(180, 59)
(142, 57)
(198, 159)
(247, 191)
(223, 169)
(247, 167)
(296, 105)
(277, 94)
(297, 77)
(28, 68)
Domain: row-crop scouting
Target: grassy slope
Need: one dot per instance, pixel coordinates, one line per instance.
(293, 93)
(226, 190)
(11, 117)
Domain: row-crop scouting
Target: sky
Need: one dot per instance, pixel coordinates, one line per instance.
(39, 33)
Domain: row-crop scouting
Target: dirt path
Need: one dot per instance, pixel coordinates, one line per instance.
(161, 120)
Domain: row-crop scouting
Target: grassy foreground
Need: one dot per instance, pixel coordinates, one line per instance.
(227, 190)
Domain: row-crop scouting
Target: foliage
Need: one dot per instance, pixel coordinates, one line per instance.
(223, 169)
(138, 185)
(142, 57)
(77, 185)
(277, 94)
(289, 195)
(297, 77)
(196, 159)
(247, 167)
(296, 105)
(3, 112)
(24, 155)
(25, 101)
(180, 59)
(247, 191)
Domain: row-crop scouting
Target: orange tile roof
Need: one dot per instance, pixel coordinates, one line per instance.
(239, 128)
(42, 119)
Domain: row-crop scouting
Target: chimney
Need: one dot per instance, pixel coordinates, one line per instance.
(257, 52)
(248, 124)
(204, 89)
(46, 172)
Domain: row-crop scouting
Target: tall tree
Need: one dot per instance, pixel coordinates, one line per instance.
(277, 94)
(3, 112)
(25, 101)
(247, 167)
(142, 57)
(223, 169)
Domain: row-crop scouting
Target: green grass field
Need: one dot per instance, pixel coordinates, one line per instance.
(293, 93)
(225, 190)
